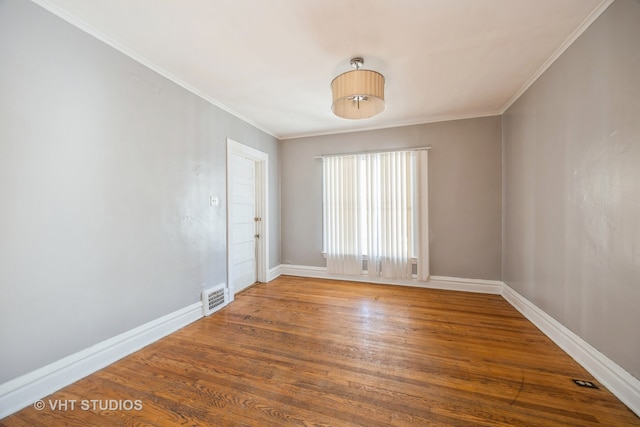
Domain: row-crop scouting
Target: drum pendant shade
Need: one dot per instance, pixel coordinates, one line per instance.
(358, 94)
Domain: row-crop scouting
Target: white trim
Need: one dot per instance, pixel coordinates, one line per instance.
(76, 22)
(484, 286)
(362, 153)
(436, 282)
(23, 391)
(604, 4)
(618, 381)
(304, 271)
(423, 121)
(58, 11)
(244, 150)
(274, 273)
(261, 160)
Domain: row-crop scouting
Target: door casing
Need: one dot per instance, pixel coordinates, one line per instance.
(261, 160)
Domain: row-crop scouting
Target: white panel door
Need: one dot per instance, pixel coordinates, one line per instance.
(242, 226)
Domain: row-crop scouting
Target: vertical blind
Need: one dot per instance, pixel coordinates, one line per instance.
(341, 212)
(376, 208)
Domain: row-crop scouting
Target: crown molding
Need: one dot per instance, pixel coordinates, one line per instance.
(78, 23)
(604, 4)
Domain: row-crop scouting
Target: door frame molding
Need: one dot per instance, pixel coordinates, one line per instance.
(261, 160)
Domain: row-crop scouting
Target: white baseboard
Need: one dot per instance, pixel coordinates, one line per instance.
(303, 271)
(436, 282)
(274, 273)
(466, 285)
(23, 391)
(621, 383)
(618, 381)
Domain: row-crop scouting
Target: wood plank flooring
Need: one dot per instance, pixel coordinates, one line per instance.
(313, 352)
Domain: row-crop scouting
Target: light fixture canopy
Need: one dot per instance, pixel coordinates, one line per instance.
(358, 94)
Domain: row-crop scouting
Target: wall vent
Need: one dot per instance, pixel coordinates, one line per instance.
(214, 299)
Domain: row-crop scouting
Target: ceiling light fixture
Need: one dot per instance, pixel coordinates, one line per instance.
(358, 94)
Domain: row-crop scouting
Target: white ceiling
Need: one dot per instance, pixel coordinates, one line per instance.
(270, 62)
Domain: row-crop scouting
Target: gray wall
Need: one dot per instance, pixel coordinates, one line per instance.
(105, 174)
(572, 188)
(464, 192)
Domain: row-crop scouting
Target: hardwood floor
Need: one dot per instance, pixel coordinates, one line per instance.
(315, 352)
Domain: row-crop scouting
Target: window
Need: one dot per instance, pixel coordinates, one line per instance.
(375, 209)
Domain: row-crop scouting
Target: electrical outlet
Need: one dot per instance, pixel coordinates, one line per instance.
(587, 384)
